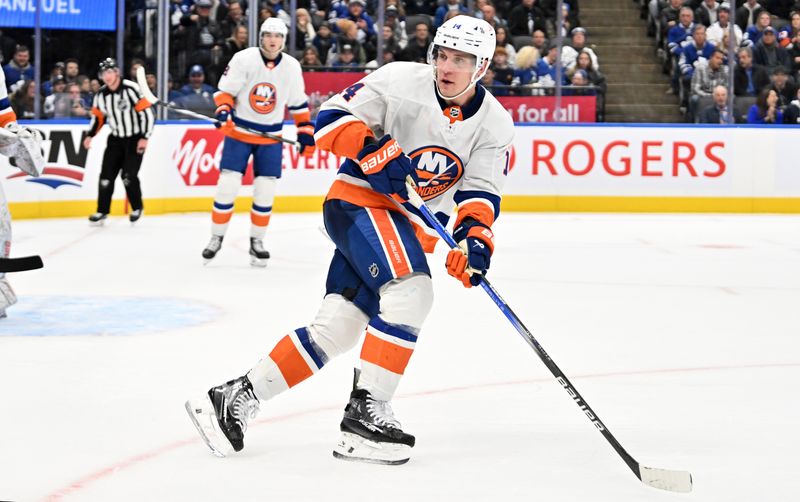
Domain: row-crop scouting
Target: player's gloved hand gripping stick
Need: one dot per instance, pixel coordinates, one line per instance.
(151, 98)
(665, 479)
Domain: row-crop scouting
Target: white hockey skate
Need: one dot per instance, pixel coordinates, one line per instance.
(258, 255)
(370, 432)
(221, 415)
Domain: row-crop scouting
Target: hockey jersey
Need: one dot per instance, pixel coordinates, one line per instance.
(259, 90)
(461, 154)
(7, 114)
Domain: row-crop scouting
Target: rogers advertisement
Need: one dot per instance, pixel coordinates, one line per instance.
(591, 167)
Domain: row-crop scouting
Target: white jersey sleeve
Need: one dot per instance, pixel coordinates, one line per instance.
(7, 114)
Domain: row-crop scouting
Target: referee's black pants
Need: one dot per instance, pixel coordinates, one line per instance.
(120, 155)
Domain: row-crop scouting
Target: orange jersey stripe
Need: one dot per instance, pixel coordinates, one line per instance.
(253, 139)
(223, 98)
(360, 196)
(142, 105)
(301, 117)
(346, 140)
(7, 118)
(477, 211)
(384, 354)
(391, 242)
(290, 362)
(101, 119)
(221, 218)
(259, 220)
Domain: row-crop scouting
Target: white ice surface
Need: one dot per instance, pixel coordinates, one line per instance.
(681, 331)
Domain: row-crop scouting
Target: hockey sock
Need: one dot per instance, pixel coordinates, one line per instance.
(227, 188)
(263, 197)
(384, 356)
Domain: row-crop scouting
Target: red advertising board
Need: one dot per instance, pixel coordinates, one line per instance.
(322, 85)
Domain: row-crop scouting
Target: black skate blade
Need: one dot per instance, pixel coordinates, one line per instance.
(369, 460)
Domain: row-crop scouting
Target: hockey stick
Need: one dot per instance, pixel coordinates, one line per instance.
(20, 264)
(665, 479)
(151, 98)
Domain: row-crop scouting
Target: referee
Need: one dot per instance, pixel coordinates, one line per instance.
(120, 105)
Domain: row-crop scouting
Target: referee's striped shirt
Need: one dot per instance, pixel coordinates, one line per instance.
(124, 110)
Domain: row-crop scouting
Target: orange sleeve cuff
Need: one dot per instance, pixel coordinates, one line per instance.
(301, 117)
(7, 118)
(477, 211)
(142, 105)
(223, 98)
(346, 140)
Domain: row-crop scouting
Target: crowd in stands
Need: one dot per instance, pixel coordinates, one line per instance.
(693, 40)
(330, 35)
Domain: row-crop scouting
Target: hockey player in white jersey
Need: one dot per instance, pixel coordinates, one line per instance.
(23, 148)
(254, 92)
(431, 122)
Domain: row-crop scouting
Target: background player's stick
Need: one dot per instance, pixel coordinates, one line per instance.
(20, 264)
(665, 479)
(151, 98)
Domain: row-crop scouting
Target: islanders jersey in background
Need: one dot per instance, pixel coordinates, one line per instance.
(461, 153)
(259, 90)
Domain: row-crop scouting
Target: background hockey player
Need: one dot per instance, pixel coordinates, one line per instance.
(254, 92)
(119, 104)
(23, 145)
(454, 138)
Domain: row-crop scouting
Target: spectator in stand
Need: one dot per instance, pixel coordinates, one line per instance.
(768, 53)
(681, 33)
(492, 85)
(766, 110)
(201, 35)
(789, 39)
(135, 64)
(324, 41)
(417, 48)
(356, 12)
(755, 32)
(747, 14)
(706, 13)
(78, 108)
(491, 17)
(792, 113)
(447, 6)
(525, 74)
(539, 40)
(22, 100)
(310, 60)
(478, 5)
(580, 85)
(196, 95)
(570, 13)
(502, 71)
(597, 79)
(695, 53)
(58, 69)
(348, 35)
(19, 69)
(71, 70)
(237, 42)
(390, 43)
(304, 30)
(346, 59)
(570, 52)
(547, 68)
(526, 18)
(85, 86)
(233, 19)
(716, 31)
(669, 17)
(59, 86)
(706, 78)
(95, 85)
(718, 112)
(394, 17)
(196, 83)
(502, 40)
(748, 78)
(783, 86)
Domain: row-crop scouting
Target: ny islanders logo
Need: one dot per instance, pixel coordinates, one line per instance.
(262, 97)
(438, 169)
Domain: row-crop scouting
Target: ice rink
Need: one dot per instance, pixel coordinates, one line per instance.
(681, 331)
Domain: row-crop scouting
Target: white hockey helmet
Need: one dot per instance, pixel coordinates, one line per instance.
(467, 34)
(273, 25)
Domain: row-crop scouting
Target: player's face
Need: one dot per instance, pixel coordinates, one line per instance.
(272, 43)
(454, 70)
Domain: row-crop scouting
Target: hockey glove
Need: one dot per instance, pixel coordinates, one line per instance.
(387, 167)
(305, 136)
(471, 262)
(223, 115)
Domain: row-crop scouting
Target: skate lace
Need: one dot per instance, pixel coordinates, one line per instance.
(215, 243)
(245, 407)
(257, 245)
(381, 413)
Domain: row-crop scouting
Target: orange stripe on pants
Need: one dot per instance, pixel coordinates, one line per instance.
(391, 241)
(260, 220)
(221, 218)
(384, 354)
(291, 364)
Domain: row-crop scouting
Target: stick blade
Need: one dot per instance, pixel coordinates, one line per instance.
(141, 79)
(665, 479)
